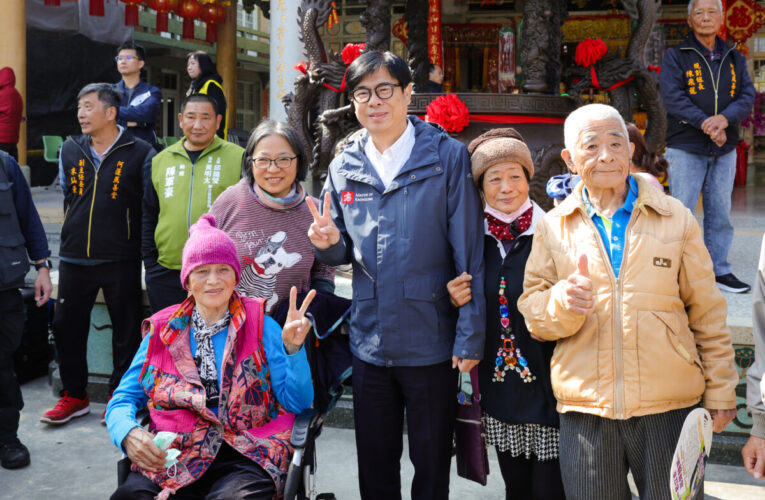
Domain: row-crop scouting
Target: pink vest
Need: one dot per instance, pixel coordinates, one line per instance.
(250, 419)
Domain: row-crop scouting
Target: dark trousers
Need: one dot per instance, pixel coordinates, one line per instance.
(11, 149)
(596, 453)
(380, 395)
(530, 479)
(163, 286)
(77, 290)
(230, 476)
(11, 330)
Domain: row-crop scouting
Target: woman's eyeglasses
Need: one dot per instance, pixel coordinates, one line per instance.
(264, 163)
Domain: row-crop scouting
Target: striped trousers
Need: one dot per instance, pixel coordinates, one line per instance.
(596, 453)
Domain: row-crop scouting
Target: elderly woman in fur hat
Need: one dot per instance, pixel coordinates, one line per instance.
(516, 397)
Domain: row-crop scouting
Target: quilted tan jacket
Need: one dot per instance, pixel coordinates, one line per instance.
(658, 339)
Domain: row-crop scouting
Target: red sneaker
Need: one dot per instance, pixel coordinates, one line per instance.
(66, 409)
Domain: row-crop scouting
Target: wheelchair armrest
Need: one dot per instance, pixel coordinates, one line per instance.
(301, 429)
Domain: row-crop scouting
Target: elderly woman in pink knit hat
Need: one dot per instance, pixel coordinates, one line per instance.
(222, 383)
(518, 405)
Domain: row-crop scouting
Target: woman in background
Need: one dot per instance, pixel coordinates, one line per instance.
(646, 164)
(206, 80)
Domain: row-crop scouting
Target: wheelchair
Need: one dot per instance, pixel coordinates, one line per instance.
(328, 352)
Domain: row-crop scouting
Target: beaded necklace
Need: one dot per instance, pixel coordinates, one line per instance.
(508, 356)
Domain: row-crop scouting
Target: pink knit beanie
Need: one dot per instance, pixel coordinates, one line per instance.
(208, 245)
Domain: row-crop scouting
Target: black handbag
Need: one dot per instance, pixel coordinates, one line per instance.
(470, 439)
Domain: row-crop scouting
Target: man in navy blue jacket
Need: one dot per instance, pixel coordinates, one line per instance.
(21, 233)
(140, 101)
(400, 205)
(707, 92)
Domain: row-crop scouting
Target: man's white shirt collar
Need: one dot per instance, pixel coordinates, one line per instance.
(388, 163)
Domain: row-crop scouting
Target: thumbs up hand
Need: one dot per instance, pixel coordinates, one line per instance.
(578, 288)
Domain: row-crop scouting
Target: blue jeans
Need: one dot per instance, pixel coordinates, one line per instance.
(690, 175)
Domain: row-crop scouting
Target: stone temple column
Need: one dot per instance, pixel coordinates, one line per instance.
(13, 53)
(286, 51)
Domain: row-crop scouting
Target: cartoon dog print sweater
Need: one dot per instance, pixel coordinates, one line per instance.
(272, 242)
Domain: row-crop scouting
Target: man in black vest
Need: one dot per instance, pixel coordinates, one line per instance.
(103, 173)
(707, 92)
(21, 233)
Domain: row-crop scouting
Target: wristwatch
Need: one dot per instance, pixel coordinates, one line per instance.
(46, 263)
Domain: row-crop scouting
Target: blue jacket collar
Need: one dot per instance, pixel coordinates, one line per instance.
(356, 166)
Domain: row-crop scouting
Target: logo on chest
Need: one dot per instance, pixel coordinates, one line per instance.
(348, 197)
(662, 262)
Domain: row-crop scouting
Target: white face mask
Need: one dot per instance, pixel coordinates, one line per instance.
(507, 218)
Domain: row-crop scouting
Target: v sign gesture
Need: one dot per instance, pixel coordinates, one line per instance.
(323, 233)
(296, 325)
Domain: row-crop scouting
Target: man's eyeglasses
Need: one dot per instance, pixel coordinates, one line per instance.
(124, 58)
(264, 163)
(383, 91)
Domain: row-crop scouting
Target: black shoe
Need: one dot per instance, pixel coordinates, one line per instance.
(729, 283)
(14, 455)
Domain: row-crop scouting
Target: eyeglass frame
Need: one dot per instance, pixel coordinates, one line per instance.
(126, 57)
(376, 92)
(272, 161)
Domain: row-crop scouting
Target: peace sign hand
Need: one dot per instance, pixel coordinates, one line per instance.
(296, 325)
(323, 233)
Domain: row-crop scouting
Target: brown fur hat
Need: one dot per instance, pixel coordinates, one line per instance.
(495, 146)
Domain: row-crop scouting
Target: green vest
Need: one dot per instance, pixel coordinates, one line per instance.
(186, 191)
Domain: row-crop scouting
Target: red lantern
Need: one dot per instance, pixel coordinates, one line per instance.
(188, 10)
(212, 14)
(131, 11)
(162, 7)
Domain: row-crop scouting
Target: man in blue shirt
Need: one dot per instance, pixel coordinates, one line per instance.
(707, 92)
(140, 101)
(20, 234)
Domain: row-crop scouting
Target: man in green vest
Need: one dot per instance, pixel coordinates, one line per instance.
(186, 178)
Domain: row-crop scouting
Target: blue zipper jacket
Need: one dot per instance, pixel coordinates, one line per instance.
(405, 243)
(140, 106)
(692, 91)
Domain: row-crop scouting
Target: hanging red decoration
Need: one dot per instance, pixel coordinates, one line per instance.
(449, 112)
(351, 51)
(188, 10)
(590, 51)
(131, 11)
(212, 14)
(162, 7)
(96, 8)
(52, 3)
(332, 18)
(399, 29)
(435, 48)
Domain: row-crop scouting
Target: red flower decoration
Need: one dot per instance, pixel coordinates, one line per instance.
(351, 52)
(449, 112)
(589, 51)
(301, 67)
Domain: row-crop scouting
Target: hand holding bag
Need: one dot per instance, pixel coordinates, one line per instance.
(472, 455)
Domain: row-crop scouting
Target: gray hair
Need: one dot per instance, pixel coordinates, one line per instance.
(105, 93)
(584, 115)
(690, 6)
(271, 127)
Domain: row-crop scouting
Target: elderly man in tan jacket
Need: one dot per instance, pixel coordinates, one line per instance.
(619, 276)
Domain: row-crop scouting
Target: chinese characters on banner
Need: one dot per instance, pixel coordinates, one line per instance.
(286, 50)
(434, 32)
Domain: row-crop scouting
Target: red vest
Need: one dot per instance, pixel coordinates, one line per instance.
(250, 419)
